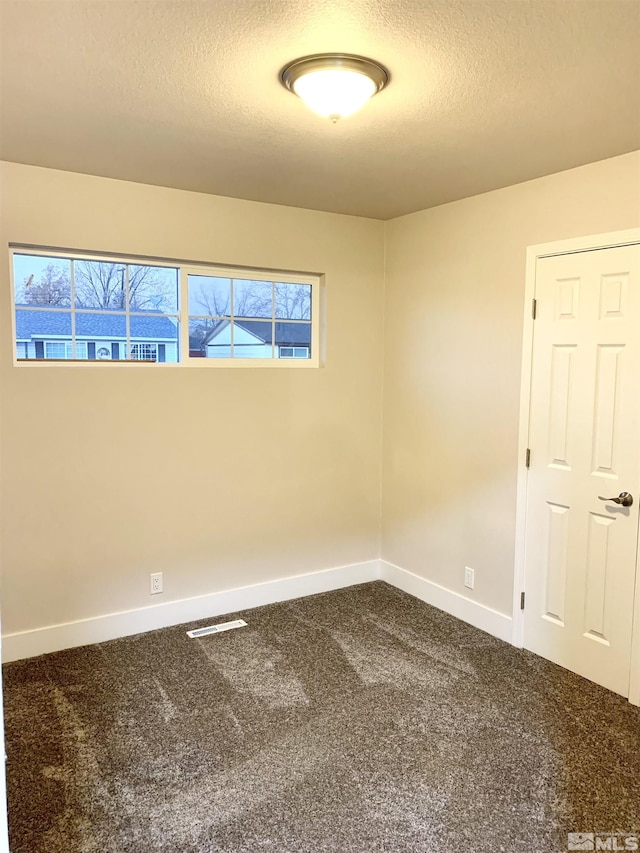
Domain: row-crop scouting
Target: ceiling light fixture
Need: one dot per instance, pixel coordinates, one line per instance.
(334, 85)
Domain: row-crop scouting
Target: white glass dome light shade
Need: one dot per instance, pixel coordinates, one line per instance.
(334, 85)
(334, 92)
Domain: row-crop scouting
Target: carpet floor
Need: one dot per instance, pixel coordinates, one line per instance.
(361, 720)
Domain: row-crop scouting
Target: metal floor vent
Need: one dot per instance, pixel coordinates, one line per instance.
(216, 629)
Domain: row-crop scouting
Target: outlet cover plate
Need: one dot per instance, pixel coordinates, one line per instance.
(468, 577)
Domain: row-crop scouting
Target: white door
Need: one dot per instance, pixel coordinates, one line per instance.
(584, 438)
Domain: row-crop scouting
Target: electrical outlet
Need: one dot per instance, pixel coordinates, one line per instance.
(156, 583)
(468, 577)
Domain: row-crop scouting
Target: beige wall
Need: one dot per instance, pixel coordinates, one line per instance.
(453, 338)
(222, 478)
(218, 478)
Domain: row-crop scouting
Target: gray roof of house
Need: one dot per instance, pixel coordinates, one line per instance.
(287, 334)
(32, 324)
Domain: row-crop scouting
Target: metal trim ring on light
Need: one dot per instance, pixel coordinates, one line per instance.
(322, 61)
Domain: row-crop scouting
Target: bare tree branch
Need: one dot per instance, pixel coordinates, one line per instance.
(53, 288)
(103, 285)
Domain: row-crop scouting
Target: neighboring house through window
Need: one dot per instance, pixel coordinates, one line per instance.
(44, 334)
(258, 339)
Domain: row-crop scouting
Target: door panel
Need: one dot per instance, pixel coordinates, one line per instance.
(585, 442)
(556, 568)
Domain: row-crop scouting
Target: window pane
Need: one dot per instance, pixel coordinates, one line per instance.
(105, 326)
(294, 335)
(252, 298)
(34, 327)
(209, 296)
(42, 281)
(159, 329)
(153, 289)
(252, 339)
(100, 284)
(153, 327)
(293, 301)
(209, 338)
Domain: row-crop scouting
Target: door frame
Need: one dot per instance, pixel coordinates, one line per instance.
(542, 250)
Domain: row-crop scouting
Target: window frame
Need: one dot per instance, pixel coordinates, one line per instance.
(185, 269)
(243, 273)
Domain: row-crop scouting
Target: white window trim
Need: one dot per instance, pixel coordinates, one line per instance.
(315, 281)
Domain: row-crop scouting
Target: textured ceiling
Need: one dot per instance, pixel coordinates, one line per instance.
(186, 94)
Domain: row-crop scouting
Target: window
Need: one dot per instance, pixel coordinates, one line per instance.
(103, 309)
(144, 352)
(57, 350)
(242, 318)
(294, 352)
(92, 309)
(64, 350)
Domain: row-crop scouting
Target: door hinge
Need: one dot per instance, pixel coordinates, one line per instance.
(534, 308)
(522, 601)
(527, 458)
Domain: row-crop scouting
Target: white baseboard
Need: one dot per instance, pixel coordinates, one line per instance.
(110, 626)
(53, 638)
(478, 615)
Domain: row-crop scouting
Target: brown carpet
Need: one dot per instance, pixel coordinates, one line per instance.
(360, 720)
